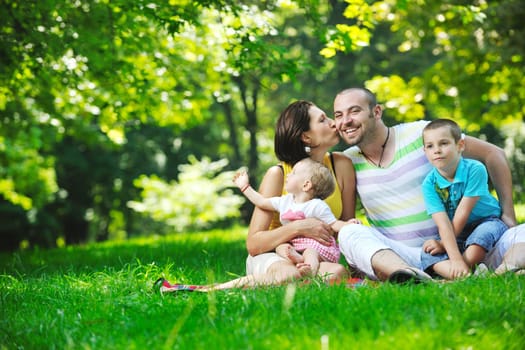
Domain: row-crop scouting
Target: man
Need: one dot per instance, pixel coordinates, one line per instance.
(390, 167)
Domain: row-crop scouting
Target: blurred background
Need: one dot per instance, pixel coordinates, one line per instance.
(126, 118)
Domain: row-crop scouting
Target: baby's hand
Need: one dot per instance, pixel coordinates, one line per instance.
(241, 179)
(354, 221)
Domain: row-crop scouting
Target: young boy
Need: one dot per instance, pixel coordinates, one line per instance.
(457, 196)
(307, 185)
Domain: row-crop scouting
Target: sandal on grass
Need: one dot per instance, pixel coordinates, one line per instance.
(163, 286)
(350, 282)
(354, 282)
(409, 275)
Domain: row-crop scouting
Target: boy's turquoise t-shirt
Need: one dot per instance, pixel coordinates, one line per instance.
(471, 180)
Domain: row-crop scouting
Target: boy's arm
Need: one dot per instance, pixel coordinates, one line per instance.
(498, 168)
(242, 181)
(458, 267)
(462, 213)
(448, 236)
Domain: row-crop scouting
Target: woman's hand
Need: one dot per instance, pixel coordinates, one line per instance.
(315, 229)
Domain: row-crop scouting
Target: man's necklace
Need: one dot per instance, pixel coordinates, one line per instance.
(382, 151)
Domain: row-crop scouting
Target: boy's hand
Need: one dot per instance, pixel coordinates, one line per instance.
(510, 221)
(433, 247)
(458, 269)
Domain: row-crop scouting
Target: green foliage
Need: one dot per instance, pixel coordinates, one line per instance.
(97, 72)
(95, 93)
(476, 75)
(200, 198)
(515, 150)
(404, 101)
(100, 296)
(351, 38)
(444, 59)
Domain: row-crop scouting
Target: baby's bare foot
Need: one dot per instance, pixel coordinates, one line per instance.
(304, 269)
(293, 255)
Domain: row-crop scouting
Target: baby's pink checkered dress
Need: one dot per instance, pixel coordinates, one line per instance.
(291, 211)
(329, 253)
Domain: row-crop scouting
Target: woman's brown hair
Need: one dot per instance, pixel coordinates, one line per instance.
(291, 125)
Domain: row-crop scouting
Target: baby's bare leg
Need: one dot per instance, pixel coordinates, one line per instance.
(332, 272)
(311, 262)
(286, 251)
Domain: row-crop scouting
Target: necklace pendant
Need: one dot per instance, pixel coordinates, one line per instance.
(378, 164)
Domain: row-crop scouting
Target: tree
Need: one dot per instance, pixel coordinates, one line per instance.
(95, 94)
(82, 80)
(474, 73)
(79, 75)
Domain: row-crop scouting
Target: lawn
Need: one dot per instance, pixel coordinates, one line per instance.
(100, 297)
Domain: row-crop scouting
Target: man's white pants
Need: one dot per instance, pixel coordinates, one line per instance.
(358, 243)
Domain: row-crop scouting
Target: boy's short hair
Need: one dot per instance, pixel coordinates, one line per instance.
(323, 182)
(454, 128)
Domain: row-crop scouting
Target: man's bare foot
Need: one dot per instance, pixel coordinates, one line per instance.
(513, 260)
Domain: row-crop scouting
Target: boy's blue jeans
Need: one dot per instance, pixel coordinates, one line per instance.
(485, 233)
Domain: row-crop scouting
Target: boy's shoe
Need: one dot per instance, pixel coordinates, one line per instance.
(481, 270)
(163, 286)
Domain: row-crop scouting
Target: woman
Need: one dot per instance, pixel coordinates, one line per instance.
(303, 130)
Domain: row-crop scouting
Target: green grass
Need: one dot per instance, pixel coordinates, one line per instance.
(100, 297)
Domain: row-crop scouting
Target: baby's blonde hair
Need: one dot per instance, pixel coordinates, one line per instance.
(323, 183)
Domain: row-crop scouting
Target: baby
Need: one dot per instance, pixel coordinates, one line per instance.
(307, 185)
